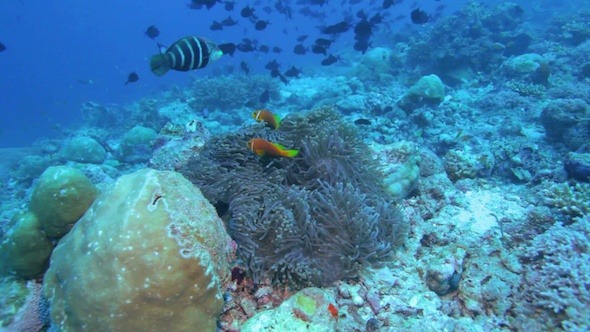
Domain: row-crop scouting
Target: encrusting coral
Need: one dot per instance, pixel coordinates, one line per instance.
(62, 195)
(309, 220)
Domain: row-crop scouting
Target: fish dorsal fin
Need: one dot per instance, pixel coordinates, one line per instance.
(162, 48)
(279, 146)
(277, 121)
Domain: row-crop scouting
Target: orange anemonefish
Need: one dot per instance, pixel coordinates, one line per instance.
(271, 120)
(265, 148)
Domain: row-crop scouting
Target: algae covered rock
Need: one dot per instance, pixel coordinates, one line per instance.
(351, 103)
(529, 67)
(428, 90)
(84, 149)
(378, 58)
(136, 145)
(151, 254)
(25, 250)
(577, 166)
(61, 197)
(524, 64)
(307, 310)
(375, 66)
(567, 120)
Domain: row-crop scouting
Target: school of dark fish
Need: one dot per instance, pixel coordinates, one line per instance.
(195, 52)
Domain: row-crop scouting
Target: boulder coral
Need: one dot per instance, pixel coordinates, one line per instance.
(136, 145)
(82, 149)
(61, 197)
(25, 251)
(150, 254)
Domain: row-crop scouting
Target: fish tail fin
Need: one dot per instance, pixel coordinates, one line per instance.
(159, 64)
(291, 153)
(277, 121)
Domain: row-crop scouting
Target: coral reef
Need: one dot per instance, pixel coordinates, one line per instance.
(177, 144)
(22, 306)
(375, 67)
(456, 48)
(563, 118)
(215, 95)
(573, 28)
(399, 166)
(307, 92)
(486, 184)
(529, 68)
(150, 254)
(466, 165)
(32, 166)
(571, 200)
(557, 276)
(577, 166)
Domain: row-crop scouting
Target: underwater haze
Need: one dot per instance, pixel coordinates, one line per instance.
(60, 55)
(295, 165)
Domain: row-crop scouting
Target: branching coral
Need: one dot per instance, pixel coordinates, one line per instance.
(309, 220)
(573, 201)
(558, 275)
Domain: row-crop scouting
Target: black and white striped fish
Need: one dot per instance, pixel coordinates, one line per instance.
(186, 54)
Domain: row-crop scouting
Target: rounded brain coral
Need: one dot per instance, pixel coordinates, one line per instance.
(150, 254)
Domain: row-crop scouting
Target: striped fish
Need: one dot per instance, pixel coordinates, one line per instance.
(186, 54)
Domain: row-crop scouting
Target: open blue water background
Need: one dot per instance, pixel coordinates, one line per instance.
(61, 54)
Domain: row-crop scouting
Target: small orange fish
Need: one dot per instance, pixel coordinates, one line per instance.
(333, 310)
(265, 148)
(271, 120)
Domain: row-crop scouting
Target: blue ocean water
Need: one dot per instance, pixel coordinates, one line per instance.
(491, 175)
(60, 55)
